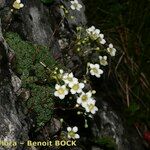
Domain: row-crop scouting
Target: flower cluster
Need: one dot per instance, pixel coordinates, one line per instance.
(17, 4)
(95, 34)
(75, 5)
(89, 39)
(72, 85)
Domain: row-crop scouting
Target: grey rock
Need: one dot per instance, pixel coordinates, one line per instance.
(16, 82)
(12, 125)
(96, 148)
(34, 24)
(55, 126)
(108, 124)
(2, 3)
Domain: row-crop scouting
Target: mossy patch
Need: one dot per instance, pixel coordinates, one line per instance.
(34, 76)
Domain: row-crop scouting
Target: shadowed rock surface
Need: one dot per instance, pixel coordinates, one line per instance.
(12, 126)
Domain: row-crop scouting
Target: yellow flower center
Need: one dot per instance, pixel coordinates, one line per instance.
(61, 91)
(94, 70)
(72, 134)
(91, 107)
(75, 5)
(111, 50)
(69, 79)
(94, 36)
(75, 87)
(84, 98)
(103, 61)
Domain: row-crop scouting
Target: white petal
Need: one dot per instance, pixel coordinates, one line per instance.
(89, 94)
(101, 36)
(63, 86)
(79, 101)
(103, 41)
(75, 129)
(18, 1)
(69, 129)
(71, 84)
(92, 102)
(79, 91)
(61, 96)
(61, 71)
(110, 45)
(81, 85)
(93, 111)
(97, 66)
(57, 86)
(66, 92)
(72, 91)
(92, 72)
(72, 7)
(97, 31)
(84, 104)
(91, 65)
(56, 94)
(93, 28)
(105, 57)
(75, 80)
(101, 71)
(71, 75)
(80, 6)
(100, 57)
(76, 1)
(21, 5)
(77, 136)
(98, 75)
(87, 109)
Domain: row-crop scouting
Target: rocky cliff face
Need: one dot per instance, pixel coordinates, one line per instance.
(43, 25)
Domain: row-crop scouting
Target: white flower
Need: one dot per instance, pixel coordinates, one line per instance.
(91, 108)
(84, 98)
(69, 78)
(61, 71)
(72, 133)
(95, 34)
(75, 5)
(95, 70)
(103, 60)
(101, 39)
(76, 87)
(90, 30)
(61, 91)
(111, 50)
(17, 4)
